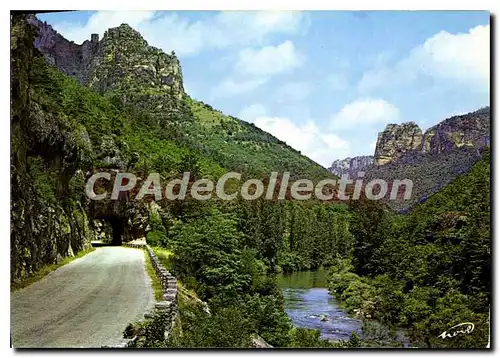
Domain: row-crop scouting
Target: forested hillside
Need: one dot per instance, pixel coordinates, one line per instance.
(243, 147)
(431, 159)
(426, 271)
(226, 252)
(125, 110)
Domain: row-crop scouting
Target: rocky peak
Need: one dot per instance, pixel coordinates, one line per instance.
(70, 58)
(125, 38)
(395, 140)
(126, 62)
(468, 131)
(125, 29)
(351, 166)
(122, 63)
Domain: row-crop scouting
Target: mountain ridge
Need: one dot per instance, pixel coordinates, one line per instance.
(431, 159)
(126, 69)
(467, 130)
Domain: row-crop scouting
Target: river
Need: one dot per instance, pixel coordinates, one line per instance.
(307, 301)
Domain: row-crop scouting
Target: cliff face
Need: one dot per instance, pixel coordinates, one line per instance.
(468, 131)
(72, 59)
(351, 166)
(121, 64)
(395, 140)
(432, 159)
(48, 220)
(124, 62)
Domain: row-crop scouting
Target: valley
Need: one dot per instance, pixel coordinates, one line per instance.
(235, 273)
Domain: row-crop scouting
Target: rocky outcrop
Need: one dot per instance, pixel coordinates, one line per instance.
(259, 342)
(395, 140)
(351, 166)
(403, 141)
(125, 62)
(48, 156)
(432, 159)
(70, 58)
(121, 64)
(469, 131)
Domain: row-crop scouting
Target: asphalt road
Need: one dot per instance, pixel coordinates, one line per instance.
(84, 304)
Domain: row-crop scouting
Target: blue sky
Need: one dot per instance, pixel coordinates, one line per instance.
(326, 82)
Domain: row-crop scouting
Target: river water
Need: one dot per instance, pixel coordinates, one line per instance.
(307, 302)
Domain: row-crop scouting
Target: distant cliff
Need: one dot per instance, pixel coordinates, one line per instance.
(395, 140)
(401, 141)
(431, 159)
(471, 130)
(351, 166)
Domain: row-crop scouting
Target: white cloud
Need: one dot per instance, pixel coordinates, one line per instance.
(269, 60)
(255, 67)
(463, 58)
(316, 143)
(231, 87)
(293, 91)
(170, 31)
(253, 111)
(365, 112)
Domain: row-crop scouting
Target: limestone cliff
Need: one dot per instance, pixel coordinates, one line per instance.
(399, 142)
(70, 58)
(395, 140)
(432, 159)
(126, 65)
(470, 130)
(122, 64)
(48, 220)
(351, 166)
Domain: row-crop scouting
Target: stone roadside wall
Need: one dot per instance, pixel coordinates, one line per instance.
(158, 323)
(167, 280)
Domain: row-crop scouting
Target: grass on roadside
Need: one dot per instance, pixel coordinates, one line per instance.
(155, 283)
(187, 293)
(45, 270)
(164, 256)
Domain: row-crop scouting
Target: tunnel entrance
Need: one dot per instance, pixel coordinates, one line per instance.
(110, 231)
(118, 230)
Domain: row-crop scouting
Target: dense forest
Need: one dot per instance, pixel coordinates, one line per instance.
(428, 270)
(227, 253)
(423, 271)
